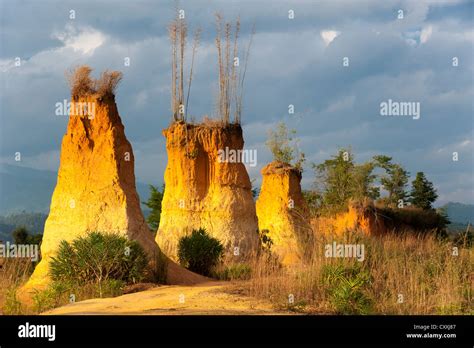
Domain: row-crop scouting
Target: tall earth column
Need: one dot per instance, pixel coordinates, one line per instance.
(283, 214)
(204, 191)
(95, 189)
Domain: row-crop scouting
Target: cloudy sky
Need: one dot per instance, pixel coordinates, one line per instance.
(295, 61)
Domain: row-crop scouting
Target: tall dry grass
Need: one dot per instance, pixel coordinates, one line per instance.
(423, 270)
(82, 84)
(13, 273)
(231, 75)
(178, 33)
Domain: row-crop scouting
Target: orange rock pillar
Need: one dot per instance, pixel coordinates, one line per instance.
(283, 214)
(204, 191)
(95, 190)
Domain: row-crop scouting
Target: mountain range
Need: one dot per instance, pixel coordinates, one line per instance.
(25, 197)
(30, 190)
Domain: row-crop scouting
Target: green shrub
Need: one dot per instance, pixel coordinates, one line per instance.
(53, 296)
(58, 293)
(238, 271)
(421, 221)
(199, 252)
(346, 287)
(97, 258)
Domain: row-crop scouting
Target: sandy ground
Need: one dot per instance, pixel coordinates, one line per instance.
(208, 298)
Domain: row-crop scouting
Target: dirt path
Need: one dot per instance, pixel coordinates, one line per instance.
(207, 298)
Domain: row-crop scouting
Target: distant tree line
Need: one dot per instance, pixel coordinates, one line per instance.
(339, 180)
(22, 236)
(32, 222)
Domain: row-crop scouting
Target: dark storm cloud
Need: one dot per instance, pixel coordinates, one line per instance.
(290, 63)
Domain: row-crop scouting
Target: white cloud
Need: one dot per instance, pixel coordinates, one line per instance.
(426, 34)
(329, 35)
(344, 103)
(84, 40)
(460, 145)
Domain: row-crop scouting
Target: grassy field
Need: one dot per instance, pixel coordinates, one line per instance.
(399, 275)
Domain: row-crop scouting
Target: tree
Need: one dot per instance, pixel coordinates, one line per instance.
(154, 203)
(20, 235)
(340, 179)
(199, 252)
(394, 181)
(35, 239)
(255, 190)
(279, 143)
(313, 200)
(364, 179)
(423, 194)
(334, 180)
(284, 147)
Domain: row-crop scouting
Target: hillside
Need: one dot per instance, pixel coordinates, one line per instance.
(459, 213)
(27, 189)
(33, 222)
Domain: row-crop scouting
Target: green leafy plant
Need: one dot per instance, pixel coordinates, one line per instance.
(284, 147)
(238, 271)
(12, 305)
(199, 252)
(53, 296)
(59, 293)
(346, 287)
(154, 203)
(97, 258)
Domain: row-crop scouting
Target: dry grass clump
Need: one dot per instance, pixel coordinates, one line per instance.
(211, 123)
(82, 84)
(108, 82)
(13, 273)
(401, 274)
